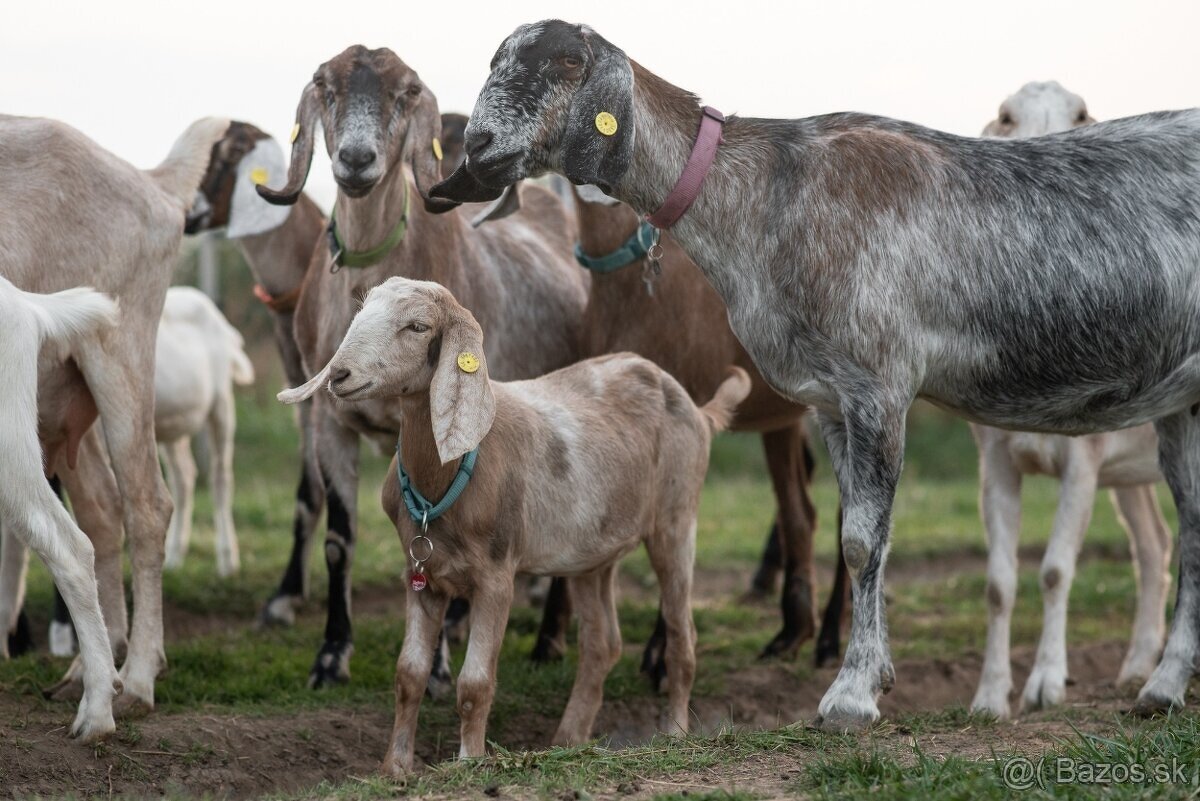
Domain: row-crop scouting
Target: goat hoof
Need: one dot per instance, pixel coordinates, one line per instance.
(1149, 706)
(279, 611)
(128, 706)
(90, 732)
(332, 666)
(68, 689)
(785, 645)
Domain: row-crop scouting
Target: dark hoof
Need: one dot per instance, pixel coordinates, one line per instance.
(332, 666)
(548, 650)
(785, 646)
(20, 641)
(1150, 706)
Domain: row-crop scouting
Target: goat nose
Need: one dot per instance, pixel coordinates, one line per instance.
(478, 142)
(357, 158)
(338, 375)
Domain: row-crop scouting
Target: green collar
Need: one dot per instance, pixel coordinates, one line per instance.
(420, 508)
(344, 257)
(634, 248)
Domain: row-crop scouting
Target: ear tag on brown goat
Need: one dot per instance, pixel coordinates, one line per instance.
(437, 149)
(259, 176)
(606, 123)
(295, 133)
(468, 362)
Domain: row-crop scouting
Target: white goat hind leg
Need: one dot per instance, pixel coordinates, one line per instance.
(591, 600)
(181, 479)
(423, 622)
(491, 604)
(122, 384)
(1047, 682)
(1150, 542)
(221, 424)
(14, 563)
(867, 450)
(1179, 457)
(673, 557)
(1000, 508)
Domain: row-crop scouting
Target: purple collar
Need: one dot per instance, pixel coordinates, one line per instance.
(687, 188)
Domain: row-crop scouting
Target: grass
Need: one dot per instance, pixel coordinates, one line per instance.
(936, 610)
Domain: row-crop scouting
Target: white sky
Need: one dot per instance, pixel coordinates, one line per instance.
(133, 74)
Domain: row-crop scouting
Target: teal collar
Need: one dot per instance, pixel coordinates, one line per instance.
(420, 508)
(634, 249)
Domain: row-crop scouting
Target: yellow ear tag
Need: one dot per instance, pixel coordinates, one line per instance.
(468, 362)
(606, 123)
(258, 176)
(437, 149)
(295, 133)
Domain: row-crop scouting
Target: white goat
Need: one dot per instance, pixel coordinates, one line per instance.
(199, 359)
(28, 508)
(1125, 461)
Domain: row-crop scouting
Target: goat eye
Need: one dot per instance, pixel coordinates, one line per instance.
(569, 62)
(417, 328)
(1006, 119)
(1082, 116)
(413, 90)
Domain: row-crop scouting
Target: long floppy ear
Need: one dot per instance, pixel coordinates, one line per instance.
(508, 203)
(305, 390)
(424, 128)
(302, 150)
(590, 155)
(461, 402)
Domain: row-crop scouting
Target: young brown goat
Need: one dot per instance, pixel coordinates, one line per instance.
(568, 473)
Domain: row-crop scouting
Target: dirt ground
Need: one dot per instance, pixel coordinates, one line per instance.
(240, 756)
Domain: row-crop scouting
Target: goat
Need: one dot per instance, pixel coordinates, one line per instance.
(126, 226)
(682, 327)
(573, 470)
(199, 359)
(1125, 461)
(516, 276)
(1040, 284)
(29, 510)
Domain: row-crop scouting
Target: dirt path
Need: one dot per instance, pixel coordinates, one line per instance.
(239, 756)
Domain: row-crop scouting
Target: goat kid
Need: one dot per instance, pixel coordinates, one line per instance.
(199, 360)
(381, 125)
(1124, 461)
(1040, 284)
(573, 470)
(29, 510)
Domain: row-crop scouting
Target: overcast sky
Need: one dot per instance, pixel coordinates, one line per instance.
(133, 74)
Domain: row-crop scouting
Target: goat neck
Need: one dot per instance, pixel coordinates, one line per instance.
(363, 223)
(279, 258)
(603, 229)
(418, 448)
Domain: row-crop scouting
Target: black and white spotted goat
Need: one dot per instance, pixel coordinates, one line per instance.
(1048, 284)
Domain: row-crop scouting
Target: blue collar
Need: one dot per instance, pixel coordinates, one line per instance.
(420, 509)
(634, 249)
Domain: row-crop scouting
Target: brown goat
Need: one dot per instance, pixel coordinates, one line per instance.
(573, 471)
(516, 277)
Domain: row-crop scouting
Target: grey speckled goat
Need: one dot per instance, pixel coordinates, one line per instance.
(1048, 284)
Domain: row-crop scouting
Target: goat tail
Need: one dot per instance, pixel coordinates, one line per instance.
(725, 400)
(242, 369)
(180, 173)
(73, 314)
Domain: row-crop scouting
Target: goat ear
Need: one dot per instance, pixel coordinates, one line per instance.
(508, 203)
(304, 135)
(424, 127)
(305, 390)
(590, 155)
(462, 404)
